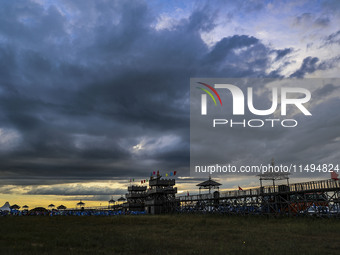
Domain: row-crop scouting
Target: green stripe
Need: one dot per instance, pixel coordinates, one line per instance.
(208, 94)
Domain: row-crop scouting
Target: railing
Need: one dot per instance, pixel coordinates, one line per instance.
(295, 187)
(89, 208)
(161, 190)
(162, 182)
(196, 197)
(315, 185)
(248, 192)
(137, 188)
(266, 190)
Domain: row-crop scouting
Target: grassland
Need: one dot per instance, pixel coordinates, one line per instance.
(171, 234)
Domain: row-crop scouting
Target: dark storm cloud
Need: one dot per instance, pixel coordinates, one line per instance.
(333, 38)
(325, 90)
(309, 19)
(303, 18)
(331, 5)
(103, 198)
(309, 65)
(250, 6)
(226, 45)
(91, 91)
(322, 21)
(316, 142)
(69, 192)
(282, 53)
(75, 190)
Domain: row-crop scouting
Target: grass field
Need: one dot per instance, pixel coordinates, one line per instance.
(170, 234)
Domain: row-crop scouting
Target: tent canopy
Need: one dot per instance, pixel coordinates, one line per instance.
(5, 207)
(15, 207)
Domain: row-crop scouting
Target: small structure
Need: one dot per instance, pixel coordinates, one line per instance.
(61, 207)
(80, 205)
(121, 199)
(273, 176)
(5, 207)
(160, 197)
(111, 203)
(25, 207)
(51, 206)
(135, 198)
(208, 184)
(38, 211)
(15, 207)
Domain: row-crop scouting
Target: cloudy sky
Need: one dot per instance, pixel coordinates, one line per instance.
(93, 93)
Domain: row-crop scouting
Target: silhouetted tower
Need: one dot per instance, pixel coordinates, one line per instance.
(208, 184)
(161, 195)
(135, 198)
(273, 175)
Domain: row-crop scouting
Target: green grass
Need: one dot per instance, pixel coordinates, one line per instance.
(169, 234)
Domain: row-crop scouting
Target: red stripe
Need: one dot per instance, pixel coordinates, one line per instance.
(213, 90)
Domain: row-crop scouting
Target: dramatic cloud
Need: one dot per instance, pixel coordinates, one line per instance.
(333, 38)
(307, 19)
(99, 90)
(309, 65)
(75, 190)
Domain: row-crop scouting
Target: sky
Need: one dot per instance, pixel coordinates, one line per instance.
(94, 93)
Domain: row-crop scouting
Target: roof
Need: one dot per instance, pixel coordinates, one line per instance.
(111, 201)
(5, 207)
(121, 199)
(80, 203)
(15, 206)
(209, 183)
(39, 209)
